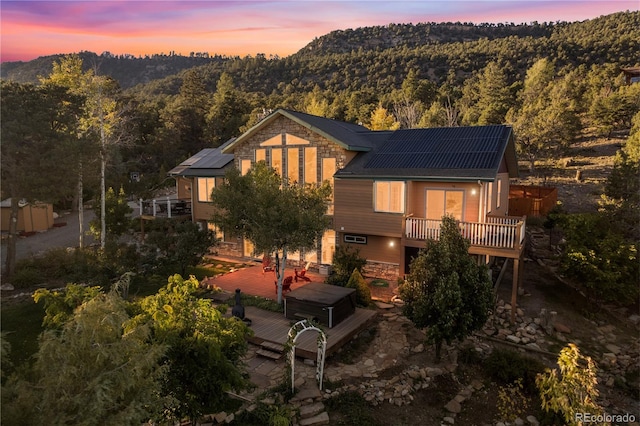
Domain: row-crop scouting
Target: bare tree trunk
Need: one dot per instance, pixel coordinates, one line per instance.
(280, 269)
(103, 191)
(10, 263)
(80, 208)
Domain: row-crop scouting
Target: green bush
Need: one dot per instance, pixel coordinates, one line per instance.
(26, 277)
(345, 260)
(363, 292)
(506, 366)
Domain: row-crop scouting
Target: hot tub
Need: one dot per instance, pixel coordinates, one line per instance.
(327, 304)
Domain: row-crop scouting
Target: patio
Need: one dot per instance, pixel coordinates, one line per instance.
(272, 328)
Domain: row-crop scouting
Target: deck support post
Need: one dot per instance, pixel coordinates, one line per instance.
(517, 264)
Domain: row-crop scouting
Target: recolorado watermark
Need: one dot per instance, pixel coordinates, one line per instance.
(605, 418)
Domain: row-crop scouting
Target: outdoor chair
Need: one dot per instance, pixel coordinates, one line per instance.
(266, 264)
(286, 284)
(301, 275)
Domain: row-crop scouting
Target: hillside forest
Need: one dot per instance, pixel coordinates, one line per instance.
(553, 82)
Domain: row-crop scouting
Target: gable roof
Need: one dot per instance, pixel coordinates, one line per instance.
(209, 162)
(349, 136)
(445, 154)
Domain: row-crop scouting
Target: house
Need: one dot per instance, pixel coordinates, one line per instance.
(391, 188)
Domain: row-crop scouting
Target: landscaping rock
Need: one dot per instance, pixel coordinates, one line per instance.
(561, 328)
(453, 406)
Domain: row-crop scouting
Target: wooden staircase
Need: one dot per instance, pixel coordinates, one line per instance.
(271, 350)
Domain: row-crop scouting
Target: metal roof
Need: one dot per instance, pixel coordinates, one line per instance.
(447, 152)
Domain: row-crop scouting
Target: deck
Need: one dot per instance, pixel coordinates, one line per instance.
(170, 208)
(274, 327)
(498, 236)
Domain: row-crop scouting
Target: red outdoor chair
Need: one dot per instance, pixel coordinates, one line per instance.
(301, 275)
(286, 284)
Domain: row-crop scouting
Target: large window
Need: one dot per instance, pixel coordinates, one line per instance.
(389, 196)
(442, 202)
(205, 186)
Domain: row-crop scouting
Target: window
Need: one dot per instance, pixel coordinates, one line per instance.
(355, 239)
(499, 194)
(261, 155)
(216, 229)
(205, 186)
(245, 166)
(293, 164)
(276, 160)
(388, 196)
(310, 164)
(328, 170)
(442, 202)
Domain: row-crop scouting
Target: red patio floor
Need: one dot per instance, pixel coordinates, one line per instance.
(251, 280)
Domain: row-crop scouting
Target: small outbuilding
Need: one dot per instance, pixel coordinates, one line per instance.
(32, 217)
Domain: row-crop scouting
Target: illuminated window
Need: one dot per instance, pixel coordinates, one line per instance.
(444, 202)
(205, 186)
(310, 165)
(245, 165)
(499, 194)
(389, 196)
(276, 160)
(293, 165)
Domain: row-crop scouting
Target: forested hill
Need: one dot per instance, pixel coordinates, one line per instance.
(411, 36)
(128, 70)
(349, 59)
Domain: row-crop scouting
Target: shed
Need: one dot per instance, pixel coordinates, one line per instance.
(328, 304)
(32, 217)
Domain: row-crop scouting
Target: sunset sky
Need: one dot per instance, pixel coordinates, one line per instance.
(37, 28)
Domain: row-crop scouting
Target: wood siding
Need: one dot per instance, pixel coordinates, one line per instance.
(377, 249)
(354, 212)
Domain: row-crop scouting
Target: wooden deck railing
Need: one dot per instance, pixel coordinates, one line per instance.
(498, 232)
(165, 208)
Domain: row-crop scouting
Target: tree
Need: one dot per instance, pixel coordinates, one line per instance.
(67, 72)
(446, 290)
(177, 246)
(363, 292)
(204, 348)
(95, 370)
(37, 126)
(381, 119)
(228, 111)
(274, 214)
(621, 198)
(547, 120)
(59, 306)
(117, 209)
(487, 96)
(574, 393)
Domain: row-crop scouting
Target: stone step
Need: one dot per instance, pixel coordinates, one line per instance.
(311, 410)
(320, 419)
(274, 347)
(307, 393)
(269, 354)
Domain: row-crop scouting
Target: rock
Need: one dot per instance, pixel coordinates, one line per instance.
(477, 384)
(635, 319)
(7, 287)
(518, 422)
(613, 348)
(419, 348)
(513, 339)
(219, 418)
(609, 358)
(369, 362)
(533, 421)
(382, 305)
(449, 420)
(453, 406)
(561, 328)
